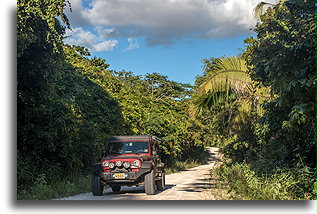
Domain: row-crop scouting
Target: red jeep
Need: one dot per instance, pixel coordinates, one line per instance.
(129, 161)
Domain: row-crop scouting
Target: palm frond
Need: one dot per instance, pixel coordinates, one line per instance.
(228, 74)
(226, 79)
(260, 9)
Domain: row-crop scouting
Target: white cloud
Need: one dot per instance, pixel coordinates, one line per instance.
(105, 32)
(133, 44)
(105, 46)
(161, 22)
(94, 42)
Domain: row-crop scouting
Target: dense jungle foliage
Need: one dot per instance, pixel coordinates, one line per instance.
(264, 114)
(258, 108)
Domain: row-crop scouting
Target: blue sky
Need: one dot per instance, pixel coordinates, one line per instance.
(170, 37)
(181, 63)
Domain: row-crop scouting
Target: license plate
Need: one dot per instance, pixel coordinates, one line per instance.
(119, 176)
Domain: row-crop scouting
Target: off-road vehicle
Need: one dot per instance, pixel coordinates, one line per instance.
(129, 161)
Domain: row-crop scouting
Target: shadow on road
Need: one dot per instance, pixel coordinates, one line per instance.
(213, 158)
(135, 190)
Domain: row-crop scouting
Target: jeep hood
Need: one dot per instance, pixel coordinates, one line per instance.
(142, 157)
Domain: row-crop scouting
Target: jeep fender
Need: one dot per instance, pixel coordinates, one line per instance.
(96, 169)
(147, 165)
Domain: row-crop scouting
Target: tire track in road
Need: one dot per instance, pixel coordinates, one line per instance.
(191, 184)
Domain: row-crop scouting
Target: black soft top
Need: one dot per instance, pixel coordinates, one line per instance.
(134, 137)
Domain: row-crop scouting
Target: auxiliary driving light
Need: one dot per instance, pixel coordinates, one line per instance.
(126, 164)
(118, 163)
(111, 165)
(136, 163)
(106, 164)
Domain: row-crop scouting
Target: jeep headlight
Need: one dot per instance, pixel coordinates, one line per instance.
(118, 163)
(105, 164)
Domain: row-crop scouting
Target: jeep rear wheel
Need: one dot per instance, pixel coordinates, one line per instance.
(150, 183)
(96, 186)
(116, 188)
(161, 183)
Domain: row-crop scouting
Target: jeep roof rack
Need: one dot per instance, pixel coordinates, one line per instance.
(134, 137)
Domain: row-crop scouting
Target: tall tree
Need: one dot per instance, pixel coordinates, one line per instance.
(226, 80)
(63, 117)
(39, 64)
(283, 57)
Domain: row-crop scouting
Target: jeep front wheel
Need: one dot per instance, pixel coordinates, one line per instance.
(149, 183)
(96, 186)
(161, 183)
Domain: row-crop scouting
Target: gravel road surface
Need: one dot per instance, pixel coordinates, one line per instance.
(191, 184)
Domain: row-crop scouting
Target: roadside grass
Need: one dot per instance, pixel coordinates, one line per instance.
(181, 165)
(218, 187)
(219, 190)
(239, 182)
(69, 186)
(191, 162)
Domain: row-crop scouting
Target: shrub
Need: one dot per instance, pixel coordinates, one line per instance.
(281, 184)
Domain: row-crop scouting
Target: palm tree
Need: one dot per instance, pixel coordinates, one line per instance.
(227, 83)
(226, 79)
(227, 74)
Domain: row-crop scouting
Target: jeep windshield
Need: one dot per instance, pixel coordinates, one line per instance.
(115, 148)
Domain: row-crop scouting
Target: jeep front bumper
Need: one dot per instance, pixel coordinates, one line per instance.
(122, 177)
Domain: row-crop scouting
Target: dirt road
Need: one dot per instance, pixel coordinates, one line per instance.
(192, 184)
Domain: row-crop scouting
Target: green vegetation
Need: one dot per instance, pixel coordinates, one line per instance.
(266, 129)
(69, 103)
(67, 186)
(258, 108)
(245, 183)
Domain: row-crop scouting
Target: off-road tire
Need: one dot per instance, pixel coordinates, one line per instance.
(116, 188)
(96, 185)
(160, 184)
(149, 183)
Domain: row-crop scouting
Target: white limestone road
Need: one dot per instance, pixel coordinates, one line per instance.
(191, 184)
